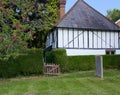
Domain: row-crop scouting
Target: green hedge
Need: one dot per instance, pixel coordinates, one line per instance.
(57, 56)
(70, 63)
(26, 64)
(81, 62)
(31, 62)
(77, 63)
(111, 61)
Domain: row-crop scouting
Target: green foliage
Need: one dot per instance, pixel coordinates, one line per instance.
(14, 33)
(25, 23)
(25, 64)
(77, 63)
(49, 57)
(32, 63)
(9, 68)
(111, 61)
(113, 15)
(46, 17)
(70, 63)
(58, 56)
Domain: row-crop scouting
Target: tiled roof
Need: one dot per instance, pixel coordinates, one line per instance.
(83, 16)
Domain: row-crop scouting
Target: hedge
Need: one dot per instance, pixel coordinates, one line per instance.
(28, 63)
(31, 62)
(70, 63)
(77, 63)
(57, 56)
(111, 61)
(81, 63)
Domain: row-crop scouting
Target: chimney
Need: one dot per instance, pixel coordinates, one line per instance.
(62, 4)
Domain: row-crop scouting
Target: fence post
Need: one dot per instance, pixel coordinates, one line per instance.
(99, 66)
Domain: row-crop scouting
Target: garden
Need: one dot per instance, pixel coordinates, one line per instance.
(30, 62)
(22, 74)
(24, 25)
(75, 83)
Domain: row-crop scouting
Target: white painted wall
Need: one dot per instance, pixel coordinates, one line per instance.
(117, 51)
(73, 52)
(83, 42)
(74, 38)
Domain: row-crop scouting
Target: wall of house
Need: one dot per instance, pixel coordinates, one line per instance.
(84, 42)
(52, 39)
(117, 51)
(84, 39)
(74, 52)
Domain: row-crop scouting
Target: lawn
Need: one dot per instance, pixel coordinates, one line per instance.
(77, 83)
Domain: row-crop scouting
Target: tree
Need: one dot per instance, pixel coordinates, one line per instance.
(113, 15)
(24, 23)
(48, 17)
(13, 32)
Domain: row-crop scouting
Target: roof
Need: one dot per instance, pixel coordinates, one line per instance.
(83, 16)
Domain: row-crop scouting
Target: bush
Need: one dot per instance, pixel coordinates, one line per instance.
(25, 64)
(77, 63)
(32, 63)
(111, 61)
(70, 63)
(57, 56)
(8, 68)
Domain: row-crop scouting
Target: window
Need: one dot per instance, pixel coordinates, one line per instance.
(110, 52)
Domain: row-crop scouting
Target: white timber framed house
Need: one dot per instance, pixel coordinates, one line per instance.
(85, 31)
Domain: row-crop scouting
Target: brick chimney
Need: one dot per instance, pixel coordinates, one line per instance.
(62, 4)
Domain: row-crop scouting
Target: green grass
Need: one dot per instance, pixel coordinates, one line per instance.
(77, 83)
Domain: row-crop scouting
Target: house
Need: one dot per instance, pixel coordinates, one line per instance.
(84, 31)
(118, 22)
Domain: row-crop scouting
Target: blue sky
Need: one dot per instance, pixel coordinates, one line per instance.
(100, 5)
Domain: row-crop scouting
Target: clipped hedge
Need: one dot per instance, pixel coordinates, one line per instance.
(81, 63)
(111, 61)
(26, 64)
(8, 68)
(77, 63)
(70, 63)
(57, 56)
(31, 62)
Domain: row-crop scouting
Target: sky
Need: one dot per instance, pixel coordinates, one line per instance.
(100, 5)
